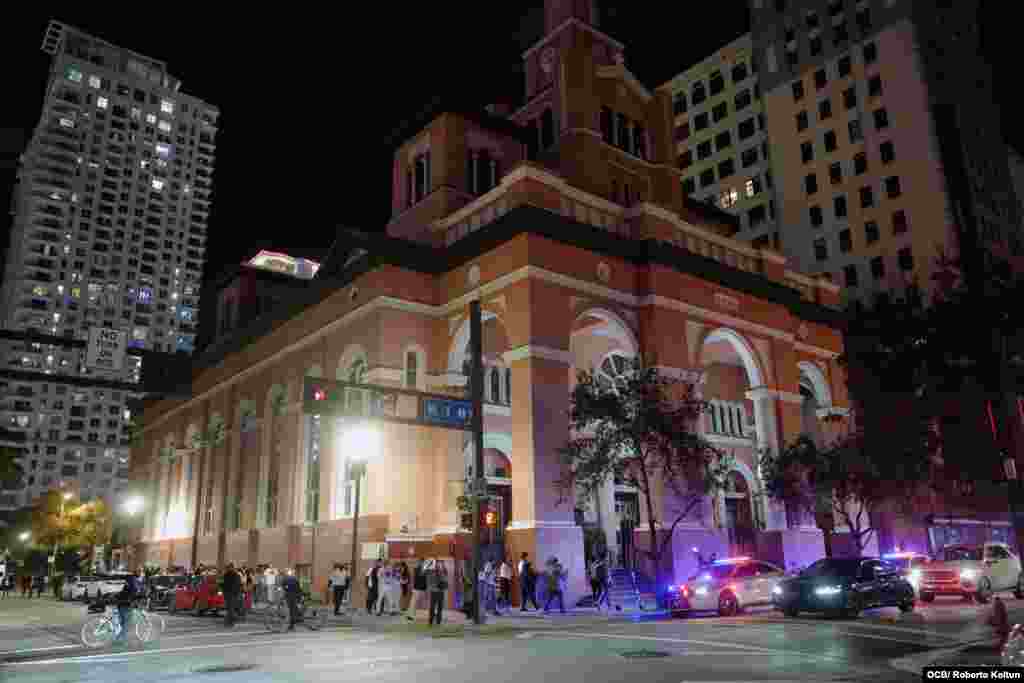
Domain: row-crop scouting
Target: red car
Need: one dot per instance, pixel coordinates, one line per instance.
(201, 595)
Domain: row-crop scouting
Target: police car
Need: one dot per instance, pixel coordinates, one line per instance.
(727, 586)
(910, 564)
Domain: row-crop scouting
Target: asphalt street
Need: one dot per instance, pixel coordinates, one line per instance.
(39, 643)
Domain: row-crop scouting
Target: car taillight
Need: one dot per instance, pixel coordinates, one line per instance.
(686, 591)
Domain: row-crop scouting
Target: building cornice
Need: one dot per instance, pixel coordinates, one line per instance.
(535, 351)
(816, 351)
(784, 396)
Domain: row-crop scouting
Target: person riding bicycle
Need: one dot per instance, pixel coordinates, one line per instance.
(131, 592)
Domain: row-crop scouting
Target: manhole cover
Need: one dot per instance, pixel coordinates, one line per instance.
(224, 669)
(644, 654)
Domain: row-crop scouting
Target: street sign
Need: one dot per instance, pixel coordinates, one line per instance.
(106, 348)
(405, 406)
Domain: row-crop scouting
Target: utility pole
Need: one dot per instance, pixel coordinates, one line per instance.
(479, 483)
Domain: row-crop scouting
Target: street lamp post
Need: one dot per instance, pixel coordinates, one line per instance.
(358, 443)
(56, 544)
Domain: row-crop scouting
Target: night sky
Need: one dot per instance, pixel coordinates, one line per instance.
(308, 99)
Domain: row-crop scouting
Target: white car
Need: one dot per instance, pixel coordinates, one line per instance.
(105, 585)
(75, 588)
(976, 572)
(727, 587)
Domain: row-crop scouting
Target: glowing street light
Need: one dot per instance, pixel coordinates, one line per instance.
(133, 505)
(24, 536)
(358, 443)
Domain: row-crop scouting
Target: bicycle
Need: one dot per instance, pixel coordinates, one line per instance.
(312, 615)
(102, 629)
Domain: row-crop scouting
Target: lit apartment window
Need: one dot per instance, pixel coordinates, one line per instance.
(163, 150)
(102, 102)
(870, 232)
(845, 241)
(753, 186)
(165, 126)
(151, 119)
(94, 82)
(74, 75)
(820, 249)
(166, 106)
(728, 198)
(850, 276)
(158, 184)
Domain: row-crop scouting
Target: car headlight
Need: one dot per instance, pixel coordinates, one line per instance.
(828, 590)
(915, 575)
(777, 590)
(968, 574)
(703, 590)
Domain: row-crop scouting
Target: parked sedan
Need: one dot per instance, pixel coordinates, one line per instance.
(844, 587)
(75, 587)
(104, 585)
(162, 589)
(727, 586)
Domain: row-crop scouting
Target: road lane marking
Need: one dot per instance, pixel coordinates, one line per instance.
(690, 641)
(109, 656)
(843, 628)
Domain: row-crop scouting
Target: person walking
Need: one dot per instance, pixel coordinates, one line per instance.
(555, 576)
(40, 585)
(405, 582)
(384, 589)
(599, 582)
(419, 587)
(232, 595)
(527, 583)
(336, 583)
(292, 591)
(372, 586)
(437, 584)
(270, 579)
(5, 584)
(505, 584)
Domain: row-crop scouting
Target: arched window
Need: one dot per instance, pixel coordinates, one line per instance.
(411, 370)
(356, 374)
(495, 385)
(614, 369)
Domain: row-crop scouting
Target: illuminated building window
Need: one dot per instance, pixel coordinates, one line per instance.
(158, 184)
(163, 150)
(102, 102)
(165, 126)
(67, 123)
(94, 81)
(75, 75)
(166, 106)
(728, 198)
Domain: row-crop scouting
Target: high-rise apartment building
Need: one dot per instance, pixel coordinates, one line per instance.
(110, 219)
(721, 139)
(885, 142)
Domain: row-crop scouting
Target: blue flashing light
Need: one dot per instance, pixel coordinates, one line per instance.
(732, 560)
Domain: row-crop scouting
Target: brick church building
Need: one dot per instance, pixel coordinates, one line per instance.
(565, 218)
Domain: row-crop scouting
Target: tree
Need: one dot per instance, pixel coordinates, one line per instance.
(90, 524)
(848, 480)
(49, 525)
(641, 429)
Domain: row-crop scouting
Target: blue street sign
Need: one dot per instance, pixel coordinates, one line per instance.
(450, 412)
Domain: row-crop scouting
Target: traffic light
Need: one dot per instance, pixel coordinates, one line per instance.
(319, 394)
(490, 518)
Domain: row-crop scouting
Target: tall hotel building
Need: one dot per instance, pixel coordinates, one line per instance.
(885, 142)
(110, 219)
(721, 140)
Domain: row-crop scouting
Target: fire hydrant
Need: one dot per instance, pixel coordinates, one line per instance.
(999, 620)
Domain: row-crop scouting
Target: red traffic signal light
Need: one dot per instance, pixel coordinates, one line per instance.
(319, 394)
(490, 518)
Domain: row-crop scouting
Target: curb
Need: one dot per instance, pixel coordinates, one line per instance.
(914, 664)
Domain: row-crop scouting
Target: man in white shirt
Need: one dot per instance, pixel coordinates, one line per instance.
(505, 583)
(336, 582)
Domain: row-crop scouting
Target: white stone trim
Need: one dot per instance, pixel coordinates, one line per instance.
(714, 316)
(497, 409)
(833, 410)
(382, 374)
(447, 379)
(571, 21)
(409, 538)
(536, 351)
(541, 524)
(764, 392)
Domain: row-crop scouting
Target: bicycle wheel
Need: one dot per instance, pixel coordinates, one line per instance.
(97, 631)
(158, 621)
(275, 618)
(145, 630)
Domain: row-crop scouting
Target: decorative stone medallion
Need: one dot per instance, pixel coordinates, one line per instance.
(604, 272)
(473, 277)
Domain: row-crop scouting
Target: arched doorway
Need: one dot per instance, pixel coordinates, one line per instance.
(738, 519)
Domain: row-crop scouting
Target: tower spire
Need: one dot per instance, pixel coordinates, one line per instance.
(557, 12)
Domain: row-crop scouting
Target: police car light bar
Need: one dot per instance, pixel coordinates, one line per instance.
(732, 560)
(899, 556)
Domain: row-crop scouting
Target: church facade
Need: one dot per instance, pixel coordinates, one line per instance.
(566, 219)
